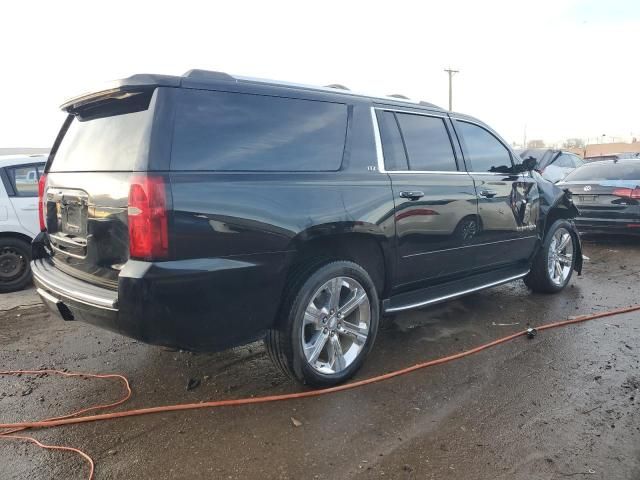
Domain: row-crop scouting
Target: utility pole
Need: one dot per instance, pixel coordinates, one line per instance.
(451, 74)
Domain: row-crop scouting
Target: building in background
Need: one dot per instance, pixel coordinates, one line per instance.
(603, 151)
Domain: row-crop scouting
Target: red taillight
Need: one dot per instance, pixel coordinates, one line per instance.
(148, 235)
(633, 193)
(41, 205)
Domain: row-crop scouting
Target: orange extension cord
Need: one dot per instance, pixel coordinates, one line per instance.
(73, 418)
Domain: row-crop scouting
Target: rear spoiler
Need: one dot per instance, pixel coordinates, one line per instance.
(121, 89)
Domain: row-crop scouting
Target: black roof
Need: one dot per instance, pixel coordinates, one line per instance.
(211, 79)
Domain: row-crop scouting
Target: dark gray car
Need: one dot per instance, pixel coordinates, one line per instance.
(607, 194)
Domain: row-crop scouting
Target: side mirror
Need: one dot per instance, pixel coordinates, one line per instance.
(529, 164)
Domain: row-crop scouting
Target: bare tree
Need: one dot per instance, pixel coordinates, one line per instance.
(573, 143)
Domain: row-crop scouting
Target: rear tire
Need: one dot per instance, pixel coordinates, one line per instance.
(328, 323)
(553, 265)
(15, 271)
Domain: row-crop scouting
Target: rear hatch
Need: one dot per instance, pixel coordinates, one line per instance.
(101, 145)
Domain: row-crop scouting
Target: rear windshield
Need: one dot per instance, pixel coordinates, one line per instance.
(605, 171)
(109, 136)
(242, 132)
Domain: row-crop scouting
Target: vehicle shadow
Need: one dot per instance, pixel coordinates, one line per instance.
(610, 239)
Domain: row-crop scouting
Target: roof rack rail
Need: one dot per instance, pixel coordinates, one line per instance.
(205, 75)
(428, 104)
(197, 74)
(399, 95)
(338, 86)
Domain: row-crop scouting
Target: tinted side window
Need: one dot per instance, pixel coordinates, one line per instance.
(427, 142)
(24, 180)
(235, 131)
(484, 150)
(395, 157)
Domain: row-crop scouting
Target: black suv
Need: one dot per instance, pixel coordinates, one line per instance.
(207, 211)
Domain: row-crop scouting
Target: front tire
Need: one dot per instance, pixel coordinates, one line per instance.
(15, 271)
(553, 265)
(328, 324)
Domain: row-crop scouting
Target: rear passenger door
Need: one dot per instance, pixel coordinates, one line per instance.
(435, 202)
(507, 202)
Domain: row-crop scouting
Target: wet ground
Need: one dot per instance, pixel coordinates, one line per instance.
(563, 405)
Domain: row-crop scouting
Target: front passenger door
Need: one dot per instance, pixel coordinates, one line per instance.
(507, 202)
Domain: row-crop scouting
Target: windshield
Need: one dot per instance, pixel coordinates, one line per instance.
(595, 172)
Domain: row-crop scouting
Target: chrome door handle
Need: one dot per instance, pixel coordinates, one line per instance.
(488, 193)
(412, 195)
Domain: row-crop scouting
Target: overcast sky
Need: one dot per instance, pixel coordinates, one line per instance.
(563, 68)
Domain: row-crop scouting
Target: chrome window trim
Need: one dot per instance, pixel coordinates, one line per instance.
(378, 141)
(412, 112)
(477, 124)
(502, 174)
(380, 151)
(429, 171)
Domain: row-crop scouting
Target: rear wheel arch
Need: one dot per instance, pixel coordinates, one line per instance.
(366, 250)
(18, 235)
(287, 341)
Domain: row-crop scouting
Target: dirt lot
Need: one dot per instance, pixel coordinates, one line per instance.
(563, 405)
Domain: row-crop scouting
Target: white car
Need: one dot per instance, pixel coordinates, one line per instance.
(18, 217)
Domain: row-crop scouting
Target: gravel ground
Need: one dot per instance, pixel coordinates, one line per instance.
(563, 405)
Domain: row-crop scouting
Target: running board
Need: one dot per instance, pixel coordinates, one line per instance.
(449, 290)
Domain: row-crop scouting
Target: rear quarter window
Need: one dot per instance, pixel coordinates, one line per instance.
(223, 131)
(23, 180)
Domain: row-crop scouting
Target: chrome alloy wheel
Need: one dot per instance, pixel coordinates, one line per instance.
(336, 325)
(560, 256)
